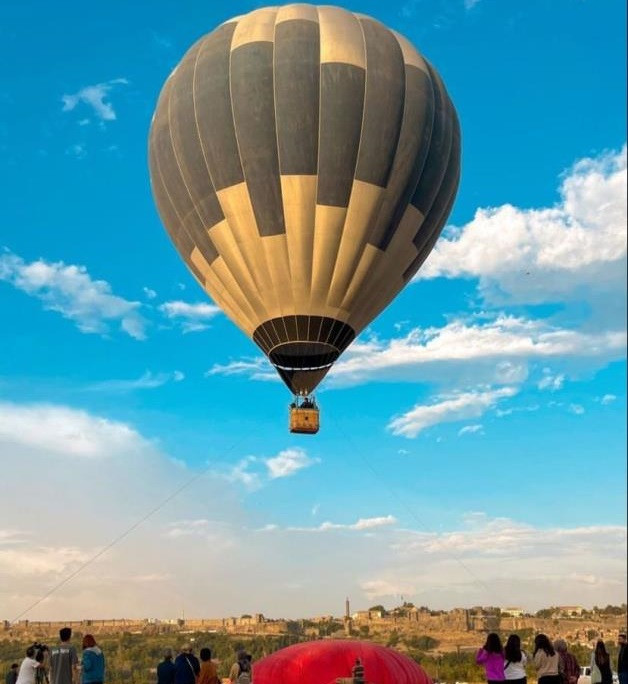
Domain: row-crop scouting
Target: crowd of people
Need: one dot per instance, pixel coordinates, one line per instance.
(553, 662)
(186, 668)
(60, 664)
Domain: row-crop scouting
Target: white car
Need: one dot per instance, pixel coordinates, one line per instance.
(585, 676)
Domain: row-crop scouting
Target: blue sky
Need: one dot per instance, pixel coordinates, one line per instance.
(480, 417)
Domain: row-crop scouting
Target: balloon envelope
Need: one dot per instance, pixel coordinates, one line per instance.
(322, 662)
(304, 161)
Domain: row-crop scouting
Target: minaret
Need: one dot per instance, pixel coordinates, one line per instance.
(347, 619)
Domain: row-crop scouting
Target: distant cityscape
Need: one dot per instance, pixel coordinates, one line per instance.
(456, 629)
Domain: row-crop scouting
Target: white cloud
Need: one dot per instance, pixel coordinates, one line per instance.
(361, 525)
(77, 150)
(573, 251)
(576, 409)
(288, 462)
(193, 317)
(64, 431)
(94, 96)
(70, 291)
(471, 430)
(536, 565)
(147, 380)
(257, 369)
(497, 559)
(255, 472)
(550, 381)
(449, 409)
(41, 560)
(150, 294)
(608, 399)
(486, 349)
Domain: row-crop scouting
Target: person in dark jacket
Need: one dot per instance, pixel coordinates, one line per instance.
(166, 669)
(186, 666)
(622, 659)
(11, 677)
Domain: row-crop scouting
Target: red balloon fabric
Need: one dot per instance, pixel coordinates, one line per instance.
(323, 662)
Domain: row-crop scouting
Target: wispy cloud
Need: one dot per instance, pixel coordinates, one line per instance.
(360, 525)
(147, 380)
(449, 409)
(257, 369)
(550, 381)
(191, 317)
(41, 560)
(471, 430)
(489, 349)
(288, 462)
(255, 472)
(71, 291)
(64, 430)
(608, 399)
(94, 97)
(576, 409)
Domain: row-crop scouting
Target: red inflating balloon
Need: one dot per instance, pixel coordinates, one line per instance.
(322, 662)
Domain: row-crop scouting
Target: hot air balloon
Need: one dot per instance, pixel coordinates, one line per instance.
(329, 661)
(303, 160)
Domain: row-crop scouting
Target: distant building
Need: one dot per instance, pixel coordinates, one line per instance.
(513, 611)
(568, 611)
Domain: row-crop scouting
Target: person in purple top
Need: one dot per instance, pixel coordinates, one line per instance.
(491, 656)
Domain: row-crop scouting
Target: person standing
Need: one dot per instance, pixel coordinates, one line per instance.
(568, 666)
(241, 671)
(186, 666)
(601, 672)
(63, 659)
(622, 659)
(491, 656)
(28, 668)
(93, 662)
(515, 661)
(357, 672)
(545, 660)
(166, 669)
(11, 677)
(208, 673)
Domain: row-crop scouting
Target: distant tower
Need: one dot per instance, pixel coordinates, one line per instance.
(347, 611)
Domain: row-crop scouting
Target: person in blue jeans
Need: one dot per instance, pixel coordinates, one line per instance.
(93, 662)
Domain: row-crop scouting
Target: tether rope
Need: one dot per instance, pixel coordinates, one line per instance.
(127, 532)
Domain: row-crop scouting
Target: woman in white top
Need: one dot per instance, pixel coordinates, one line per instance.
(28, 668)
(514, 660)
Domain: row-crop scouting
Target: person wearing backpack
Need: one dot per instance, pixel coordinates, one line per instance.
(186, 666)
(241, 671)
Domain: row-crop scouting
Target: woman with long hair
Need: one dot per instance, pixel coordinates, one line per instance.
(515, 660)
(601, 672)
(545, 660)
(491, 656)
(93, 662)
